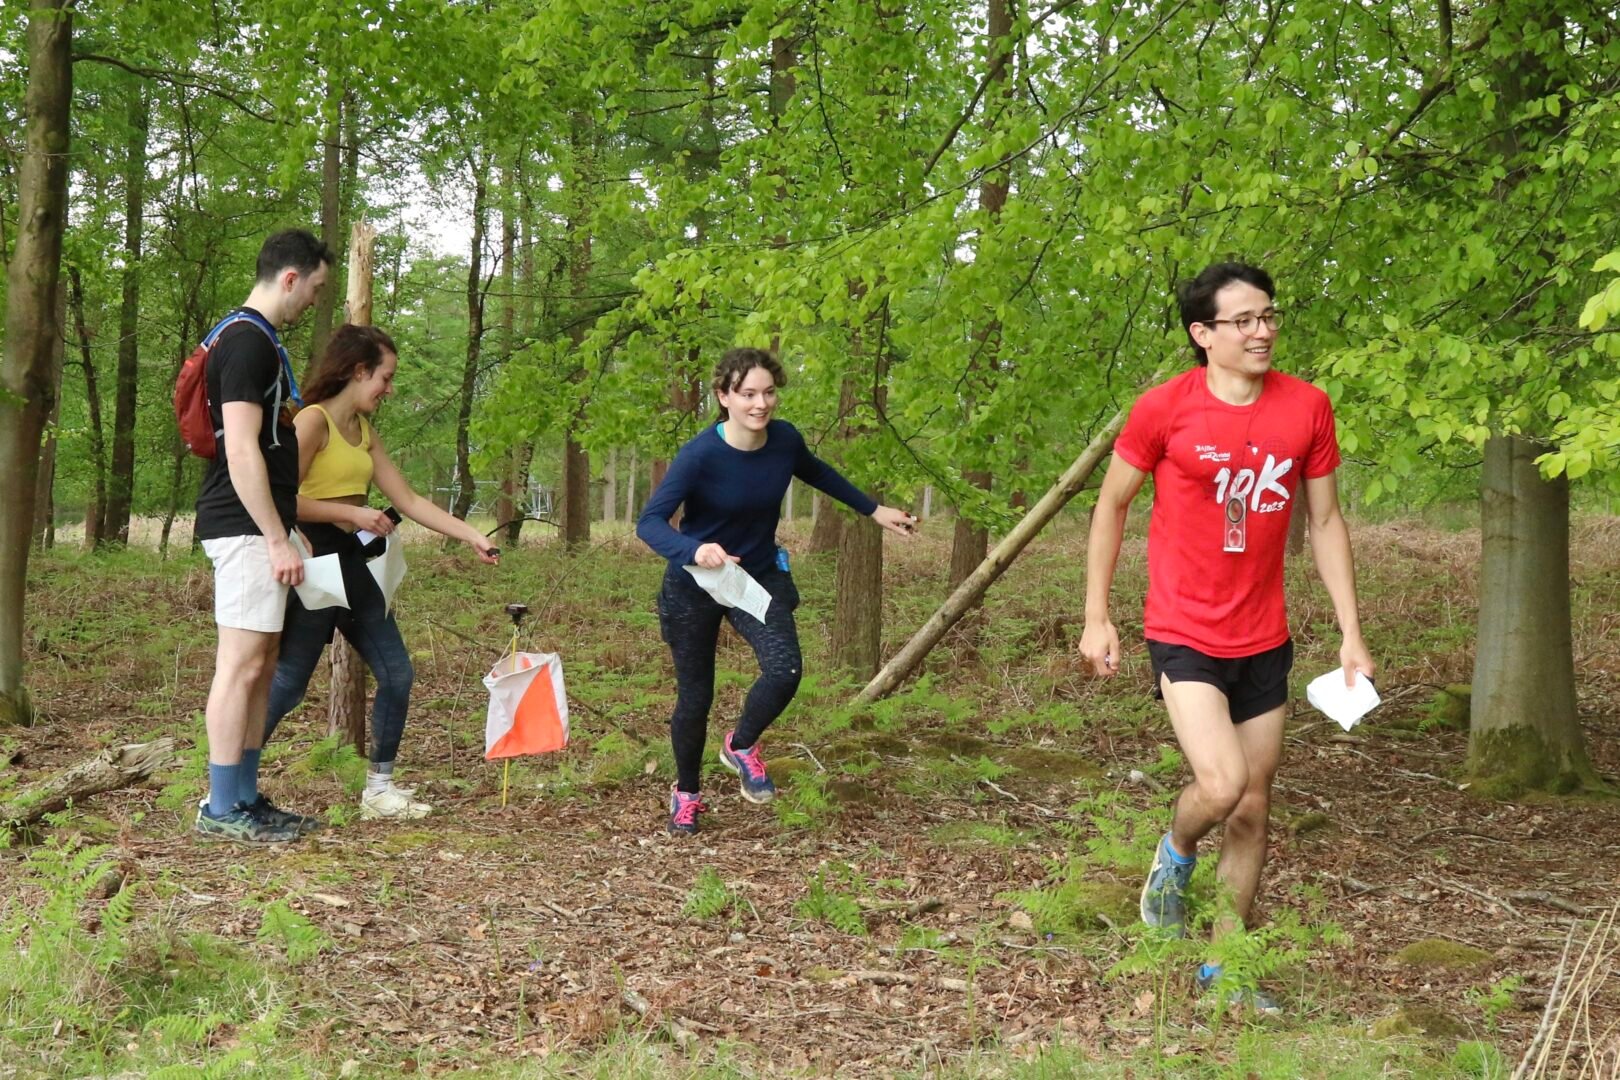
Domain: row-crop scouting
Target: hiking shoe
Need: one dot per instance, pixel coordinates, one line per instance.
(1163, 901)
(272, 814)
(391, 803)
(684, 810)
(1209, 979)
(240, 826)
(750, 767)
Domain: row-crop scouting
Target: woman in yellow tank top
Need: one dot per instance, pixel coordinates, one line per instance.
(340, 456)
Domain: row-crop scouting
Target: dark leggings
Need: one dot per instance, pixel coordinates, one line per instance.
(368, 626)
(690, 621)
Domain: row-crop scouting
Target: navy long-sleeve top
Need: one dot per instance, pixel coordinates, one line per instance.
(734, 497)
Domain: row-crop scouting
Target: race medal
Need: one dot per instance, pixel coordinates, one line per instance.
(1236, 525)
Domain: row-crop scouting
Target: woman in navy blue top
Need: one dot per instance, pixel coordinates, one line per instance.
(732, 478)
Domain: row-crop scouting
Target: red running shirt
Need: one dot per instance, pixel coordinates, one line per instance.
(1224, 481)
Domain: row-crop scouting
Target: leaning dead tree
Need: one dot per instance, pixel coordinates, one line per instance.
(968, 594)
(113, 768)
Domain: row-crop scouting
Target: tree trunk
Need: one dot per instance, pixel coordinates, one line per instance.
(346, 704)
(45, 516)
(178, 454)
(576, 511)
(121, 479)
(969, 594)
(29, 376)
(969, 540)
(1523, 728)
(857, 629)
(331, 224)
(826, 525)
(465, 486)
(506, 504)
(95, 514)
(630, 489)
(610, 486)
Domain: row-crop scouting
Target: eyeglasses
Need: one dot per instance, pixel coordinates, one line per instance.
(1248, 325)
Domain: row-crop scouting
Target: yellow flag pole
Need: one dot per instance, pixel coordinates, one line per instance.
(506, 766)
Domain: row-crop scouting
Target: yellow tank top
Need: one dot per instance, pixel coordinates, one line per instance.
(340, 468)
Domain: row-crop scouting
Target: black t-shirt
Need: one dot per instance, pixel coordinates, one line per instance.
(245, 366)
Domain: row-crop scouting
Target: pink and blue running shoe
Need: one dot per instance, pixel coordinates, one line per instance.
(684, 810)
(750, 767)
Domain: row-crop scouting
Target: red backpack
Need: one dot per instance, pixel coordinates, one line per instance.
(191, 408)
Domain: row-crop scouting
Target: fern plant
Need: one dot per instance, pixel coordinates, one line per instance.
(831, 898)
(299, 939)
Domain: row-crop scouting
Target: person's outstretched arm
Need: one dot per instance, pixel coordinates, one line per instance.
(1330, 546)
(1099, 644)
(829, 481)
(392, 484)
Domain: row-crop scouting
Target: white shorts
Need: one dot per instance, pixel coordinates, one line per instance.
(247, 595)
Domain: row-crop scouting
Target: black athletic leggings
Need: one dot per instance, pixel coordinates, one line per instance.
(690, 621)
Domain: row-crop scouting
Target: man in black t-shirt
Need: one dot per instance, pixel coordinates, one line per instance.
(245, 513)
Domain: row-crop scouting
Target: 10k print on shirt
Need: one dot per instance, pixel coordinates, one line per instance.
(1223, 476)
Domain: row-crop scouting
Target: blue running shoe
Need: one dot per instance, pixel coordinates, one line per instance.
(683, 811)
(750, 767)
(274, 815)
(1164, 893)
(1209, 978)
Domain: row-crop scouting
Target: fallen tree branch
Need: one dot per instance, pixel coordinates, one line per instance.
(113, 768)
(968, 595)
(905, 909)
(1538, 896)
(1446, 883)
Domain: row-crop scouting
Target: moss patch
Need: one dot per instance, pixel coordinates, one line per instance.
(1450, 707)
(782, 770)
(955, 744)
(862, 792)
(1438, 954)
(1043, 763)
(878, 742)
(979, 834)
(1507, 762)
(1309, 822)
(1423, 1020)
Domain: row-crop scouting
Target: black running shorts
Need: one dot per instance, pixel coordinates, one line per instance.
(1252, 684)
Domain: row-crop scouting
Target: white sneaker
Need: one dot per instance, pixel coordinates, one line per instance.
(391, 802)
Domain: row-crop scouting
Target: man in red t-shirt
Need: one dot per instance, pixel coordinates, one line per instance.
(1230, 444)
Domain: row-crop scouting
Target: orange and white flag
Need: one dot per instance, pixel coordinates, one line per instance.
(528, 708)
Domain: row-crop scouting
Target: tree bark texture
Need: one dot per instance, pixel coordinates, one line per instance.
(1524, 731)
(29, 376)
(576, 509)
(121, 478)
(465, 485)
(346, 704)
(45, 514)
(113, 768)
(331, 225)
(857, 629)
(95, 514)
(969, 540)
